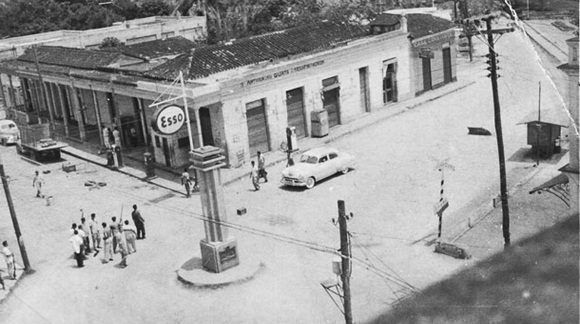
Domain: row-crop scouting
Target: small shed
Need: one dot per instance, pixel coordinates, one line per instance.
(544, 131)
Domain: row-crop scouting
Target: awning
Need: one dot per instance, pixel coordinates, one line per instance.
(548, 116)
(557, 186)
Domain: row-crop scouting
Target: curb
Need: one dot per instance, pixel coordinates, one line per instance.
(16, 283)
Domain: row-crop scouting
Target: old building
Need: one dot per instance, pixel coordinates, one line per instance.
(242, 95)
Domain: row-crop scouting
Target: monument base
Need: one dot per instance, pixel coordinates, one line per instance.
(219, 256)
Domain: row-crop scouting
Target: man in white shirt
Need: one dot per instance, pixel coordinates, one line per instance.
(9, 256)
(77, 242)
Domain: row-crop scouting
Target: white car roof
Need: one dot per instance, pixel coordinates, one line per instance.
(319, 151)
(6, 122)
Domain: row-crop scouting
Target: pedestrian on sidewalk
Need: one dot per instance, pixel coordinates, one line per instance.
(262, 167)
(130, 237)
(107, 137)
(107, 243)
(185, 181)
(139, 223)
(9, 257)
(73, 228)
(117, 136)
(254, 176)
(37, 183)
(193, 179)
(2, 283)
(77, 242)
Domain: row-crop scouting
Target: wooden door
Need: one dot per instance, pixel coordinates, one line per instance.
(447, 76)
(295, 110)
(427, 85)
(257, 127)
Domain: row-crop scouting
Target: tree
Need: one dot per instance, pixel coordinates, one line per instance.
(154, 8)
(110, 42)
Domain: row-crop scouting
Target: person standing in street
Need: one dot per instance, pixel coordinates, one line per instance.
(122, 245)
(84, 236)
(130, 237)
(186, 182)
(77, 242)
(255, 177)
(94, 230)
(87, 238)
(114, 229)
(37, 183)
(107, 244)
(9, 257)
(117, 136)
(139, 223)
(262, 167)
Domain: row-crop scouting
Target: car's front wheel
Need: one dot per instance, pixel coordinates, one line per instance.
(310, 182)
(345, 170)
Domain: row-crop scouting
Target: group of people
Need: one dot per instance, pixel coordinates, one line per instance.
(116, 237)
(111, 137)
(10, 266)
(258, 172)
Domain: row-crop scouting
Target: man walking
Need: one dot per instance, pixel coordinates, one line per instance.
(9, 257)
(37, 183)
(186, 182)
(254, 176)
(122, 244)
(262, 167)
(139, 223)
(77, 242)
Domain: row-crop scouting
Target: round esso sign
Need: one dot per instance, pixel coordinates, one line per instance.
(169, 119)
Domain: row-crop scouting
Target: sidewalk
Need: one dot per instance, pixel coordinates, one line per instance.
(549, 38)
(170, 179)
(529, 214)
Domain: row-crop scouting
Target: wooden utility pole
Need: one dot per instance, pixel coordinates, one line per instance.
(498, 131)
(14, 219)
(345, 251)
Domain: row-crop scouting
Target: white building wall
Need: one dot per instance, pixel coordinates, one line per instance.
(343, 62)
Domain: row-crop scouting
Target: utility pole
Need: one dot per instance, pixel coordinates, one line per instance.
(14, 219)
(467, 28)
(497, 112)
(345, 251)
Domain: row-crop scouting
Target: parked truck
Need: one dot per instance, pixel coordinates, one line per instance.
(36, 143)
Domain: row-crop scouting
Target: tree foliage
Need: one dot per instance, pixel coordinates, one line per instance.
(24, 17)
(229, 19)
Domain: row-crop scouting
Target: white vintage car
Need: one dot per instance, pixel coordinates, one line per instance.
(315, 165)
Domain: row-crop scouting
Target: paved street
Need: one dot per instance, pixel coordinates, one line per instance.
(391, 194)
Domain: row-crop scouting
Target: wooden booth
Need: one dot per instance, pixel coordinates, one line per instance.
(544, 132)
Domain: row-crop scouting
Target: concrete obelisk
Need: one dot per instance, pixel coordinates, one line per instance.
(219, 251)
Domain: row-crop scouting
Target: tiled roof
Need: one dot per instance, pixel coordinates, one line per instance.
(204, 61)
(71, 57)
(159, 48)
(420, 25)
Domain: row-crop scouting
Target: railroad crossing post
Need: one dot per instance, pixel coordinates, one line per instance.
(218, 250)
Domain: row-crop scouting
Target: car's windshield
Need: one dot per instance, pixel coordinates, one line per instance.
(305, 158)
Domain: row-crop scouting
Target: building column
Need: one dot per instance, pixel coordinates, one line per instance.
(97, 114)
(76, 110)
(48, 106)
(63, 110)
(143, 122)
(12, 92)
(3, 92)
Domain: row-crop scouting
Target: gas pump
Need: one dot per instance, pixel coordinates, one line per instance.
(292, 141)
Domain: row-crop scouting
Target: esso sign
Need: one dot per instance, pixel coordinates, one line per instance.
(168, 119)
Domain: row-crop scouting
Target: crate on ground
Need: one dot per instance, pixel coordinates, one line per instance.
(69, 167)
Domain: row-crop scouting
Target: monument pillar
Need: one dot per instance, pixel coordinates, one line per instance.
(219, 251)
